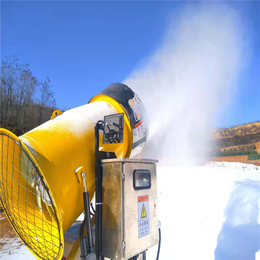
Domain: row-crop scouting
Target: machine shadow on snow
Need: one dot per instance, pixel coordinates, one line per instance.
(239, 238)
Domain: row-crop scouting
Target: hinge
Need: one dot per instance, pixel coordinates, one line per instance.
(123, 176)
(123, 245)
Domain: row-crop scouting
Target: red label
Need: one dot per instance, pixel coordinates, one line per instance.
(143, 198)
(138, 124)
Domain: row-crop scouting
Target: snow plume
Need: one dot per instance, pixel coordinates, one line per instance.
(189, 80)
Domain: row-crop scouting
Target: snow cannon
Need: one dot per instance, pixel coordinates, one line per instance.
(49, 175)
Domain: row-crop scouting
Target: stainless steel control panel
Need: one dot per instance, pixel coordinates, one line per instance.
(130, 222)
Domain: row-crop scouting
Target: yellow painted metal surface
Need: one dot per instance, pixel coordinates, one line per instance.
(34, 221)
(122, 150)
(56, 113)
(57, 148)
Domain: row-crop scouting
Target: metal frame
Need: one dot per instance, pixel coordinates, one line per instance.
(99, 199)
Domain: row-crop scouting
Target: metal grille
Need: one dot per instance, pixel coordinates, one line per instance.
(26, 200)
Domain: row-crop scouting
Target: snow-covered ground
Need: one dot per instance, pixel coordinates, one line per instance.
(209, 212)
(206, 212)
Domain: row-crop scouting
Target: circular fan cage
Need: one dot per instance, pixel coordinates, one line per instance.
(27, 201)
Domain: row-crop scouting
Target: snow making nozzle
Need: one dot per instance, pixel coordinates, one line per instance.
(39, 189)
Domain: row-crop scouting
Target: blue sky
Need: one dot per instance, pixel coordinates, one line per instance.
(84, 46)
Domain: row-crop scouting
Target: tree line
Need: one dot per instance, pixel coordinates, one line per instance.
(25, 101)
(237, 140)
(252, 155)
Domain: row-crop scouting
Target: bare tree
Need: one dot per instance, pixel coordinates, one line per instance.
(20, 108)
(47, 100)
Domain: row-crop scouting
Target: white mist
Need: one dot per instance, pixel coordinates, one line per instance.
(189, 80)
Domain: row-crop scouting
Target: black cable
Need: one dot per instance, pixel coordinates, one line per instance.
(111, 138)
(82, 226)
(159, 245)
(92, 208)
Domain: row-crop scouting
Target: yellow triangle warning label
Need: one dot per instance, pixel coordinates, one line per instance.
(143, 214)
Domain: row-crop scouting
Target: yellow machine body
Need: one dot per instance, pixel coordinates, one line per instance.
(40, 191)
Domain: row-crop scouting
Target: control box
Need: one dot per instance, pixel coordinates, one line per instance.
(130, 221)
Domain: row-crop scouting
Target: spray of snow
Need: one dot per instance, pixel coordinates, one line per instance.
(189, 81)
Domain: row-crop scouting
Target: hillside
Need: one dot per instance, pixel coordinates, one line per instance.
(25, 101)
(242, 141)
(37, 116)
(240, 130)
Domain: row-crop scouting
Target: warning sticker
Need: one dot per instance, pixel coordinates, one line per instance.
(140, 129)
(143, 216)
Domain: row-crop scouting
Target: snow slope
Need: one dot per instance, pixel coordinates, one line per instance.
(209, 212)
(206, 212)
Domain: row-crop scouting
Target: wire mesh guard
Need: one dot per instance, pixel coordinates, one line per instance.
(26, 200)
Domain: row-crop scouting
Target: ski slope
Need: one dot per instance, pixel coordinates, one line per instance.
(209, 212)
(206, 212)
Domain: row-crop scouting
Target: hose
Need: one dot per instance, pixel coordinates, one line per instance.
(159, 245)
